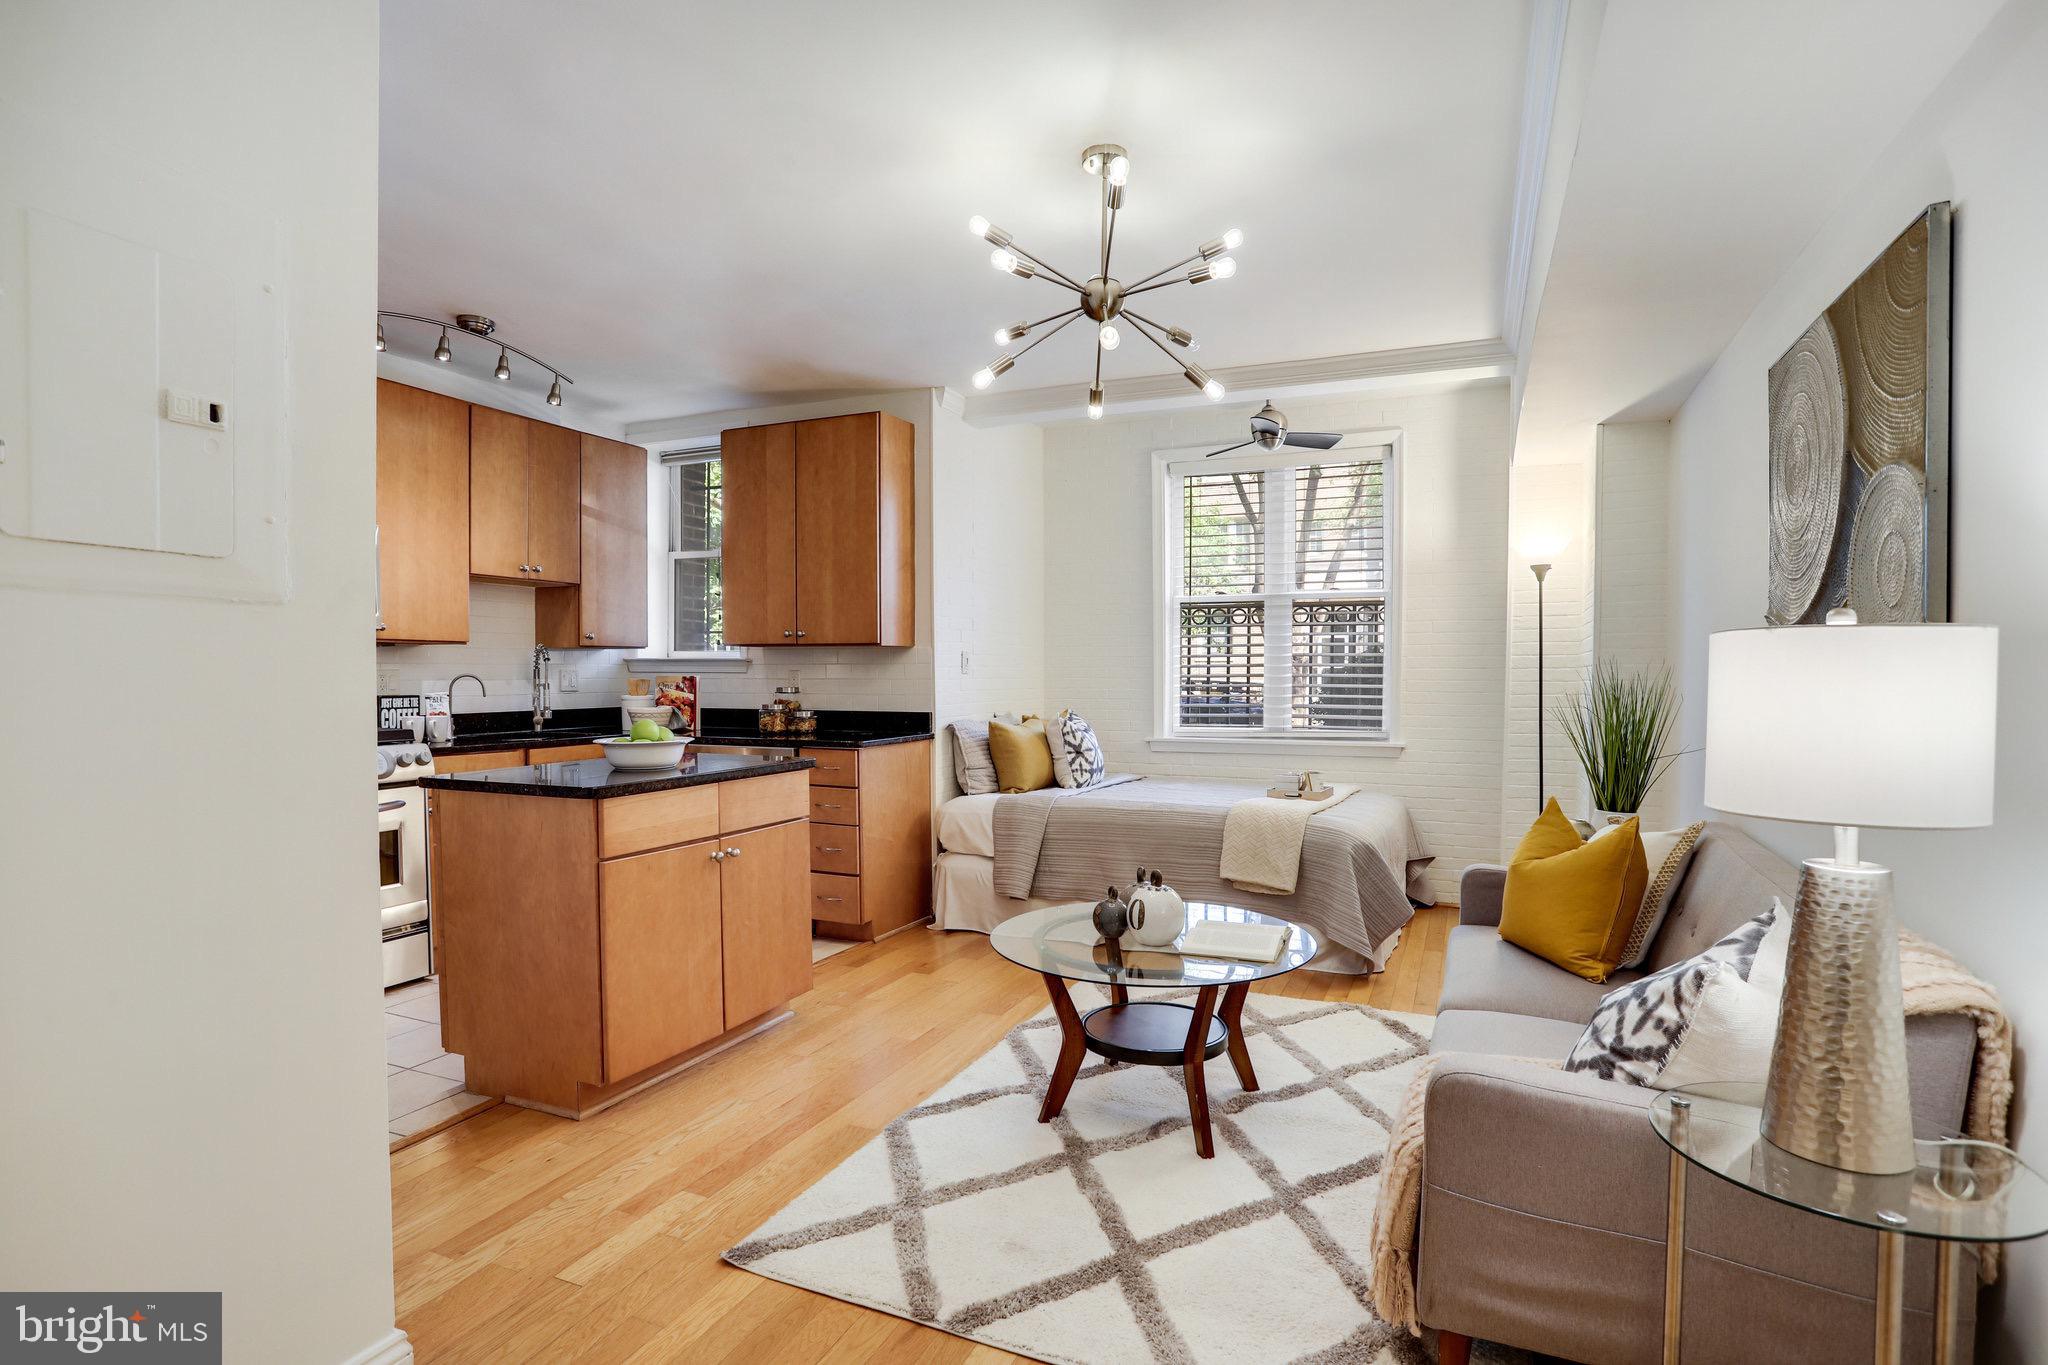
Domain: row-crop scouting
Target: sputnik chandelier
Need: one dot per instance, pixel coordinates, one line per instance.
(1104, 299)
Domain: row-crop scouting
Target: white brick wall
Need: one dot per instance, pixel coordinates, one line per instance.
(500, 651)
(1454, 491)
(1632, 472)
(989, 540)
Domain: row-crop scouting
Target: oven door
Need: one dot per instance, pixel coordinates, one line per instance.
(401, 848)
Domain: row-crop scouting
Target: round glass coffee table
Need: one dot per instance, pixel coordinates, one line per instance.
(1061, 945)
(1959, 1191)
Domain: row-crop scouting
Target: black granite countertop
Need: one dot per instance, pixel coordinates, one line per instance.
(593, 779)
(836, 729)
(525, 739)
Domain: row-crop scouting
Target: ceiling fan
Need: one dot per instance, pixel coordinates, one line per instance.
(1269, 432)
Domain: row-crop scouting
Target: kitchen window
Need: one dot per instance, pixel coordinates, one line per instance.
(1278, 609)
(695, 579)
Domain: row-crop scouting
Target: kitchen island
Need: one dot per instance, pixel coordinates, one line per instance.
(598, 929)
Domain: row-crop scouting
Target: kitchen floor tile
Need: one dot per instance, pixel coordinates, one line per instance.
(406, 1091)
(412, 991)
(426, 1008)
(429, 1115)
(448, 1066)
(400, 1023)
(419, 1044)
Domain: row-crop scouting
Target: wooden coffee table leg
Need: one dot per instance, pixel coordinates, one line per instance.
(1191, 1070)
(1073, 1047)
(1119, 994)
(1232, 1014)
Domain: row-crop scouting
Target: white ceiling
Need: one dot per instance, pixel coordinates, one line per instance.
(698, 207)
(1714, 141)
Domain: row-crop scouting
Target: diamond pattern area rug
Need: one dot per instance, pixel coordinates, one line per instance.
(1101, 1236)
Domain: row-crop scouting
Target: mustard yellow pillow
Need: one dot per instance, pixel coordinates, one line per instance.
(1573, 902)
(1022, 757)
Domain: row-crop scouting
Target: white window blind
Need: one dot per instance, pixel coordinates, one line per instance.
(696, 523)
(1280, 583)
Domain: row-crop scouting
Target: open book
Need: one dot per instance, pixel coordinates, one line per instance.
(1245, 942)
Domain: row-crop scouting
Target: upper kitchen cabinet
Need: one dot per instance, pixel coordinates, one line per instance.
(525, 506)
(608, 606)
(422, 516)
(820, 531)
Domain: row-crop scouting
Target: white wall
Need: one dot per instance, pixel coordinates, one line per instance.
(1454, 509)
(1978, 143)
(190, 988)
(500, 651)
(989, 535)
(848, 678)
(1549, 504)
(1632, 571)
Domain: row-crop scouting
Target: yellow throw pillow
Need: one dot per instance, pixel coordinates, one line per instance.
(1022, 757)
(1573, 902)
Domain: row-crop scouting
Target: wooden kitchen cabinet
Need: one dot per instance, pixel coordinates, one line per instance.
(820, 520)
(607, 609)
(525, 502)
(870, 838)
(422, 516)
(621, 938)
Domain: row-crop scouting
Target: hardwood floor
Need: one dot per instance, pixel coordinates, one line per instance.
(524, 1237)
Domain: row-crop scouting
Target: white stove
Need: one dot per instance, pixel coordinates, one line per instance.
(402, 900)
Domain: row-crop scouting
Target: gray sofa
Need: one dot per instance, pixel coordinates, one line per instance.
(1543, 1199)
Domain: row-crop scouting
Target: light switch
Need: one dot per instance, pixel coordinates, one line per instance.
(193, 410)
(565, 678)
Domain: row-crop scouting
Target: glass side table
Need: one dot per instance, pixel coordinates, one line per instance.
(1960, 1191)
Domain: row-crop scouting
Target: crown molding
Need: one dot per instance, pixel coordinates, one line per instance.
(1451, 362)
(1542, 73)
(950, 400)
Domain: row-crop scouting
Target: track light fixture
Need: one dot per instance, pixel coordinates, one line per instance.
(478, 326)
(1103, 298)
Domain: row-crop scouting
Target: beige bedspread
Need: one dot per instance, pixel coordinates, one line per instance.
(1361, 859)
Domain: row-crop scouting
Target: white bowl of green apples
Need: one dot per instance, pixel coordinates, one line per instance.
(650, 745)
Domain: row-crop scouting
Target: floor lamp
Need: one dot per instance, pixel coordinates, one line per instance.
(1541, 571)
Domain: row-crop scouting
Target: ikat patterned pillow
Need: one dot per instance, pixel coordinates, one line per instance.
(1076, 753)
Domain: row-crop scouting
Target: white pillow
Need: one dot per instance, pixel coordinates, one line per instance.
(1709, 1018)
(973, 767)
(1076, 753)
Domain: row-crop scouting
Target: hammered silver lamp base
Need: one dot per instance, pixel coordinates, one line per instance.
(1837, 1092)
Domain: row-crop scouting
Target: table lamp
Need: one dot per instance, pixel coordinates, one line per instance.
(1849, 725)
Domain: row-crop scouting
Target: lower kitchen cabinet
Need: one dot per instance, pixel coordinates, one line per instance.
(588, 947)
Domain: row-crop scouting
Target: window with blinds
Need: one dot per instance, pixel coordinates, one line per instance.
(696, 524)
(1281, 579)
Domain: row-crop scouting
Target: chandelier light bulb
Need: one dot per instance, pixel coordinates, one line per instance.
(1006, 335)
(555, 393)
(504, 371)
(1183, 338)
(441, 347)
(1109, 337)
(978, 225)
(984, 377)
(1095, 403)
(1119, 170)
(994, 370)
(380, 336)
(1233, 238)
(1223, 269)
(1199, 377)
(1214, 390)
(1002, 260)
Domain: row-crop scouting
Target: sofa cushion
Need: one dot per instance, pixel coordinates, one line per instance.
(1482, 971)
(1576, 906)
(1503, 1035)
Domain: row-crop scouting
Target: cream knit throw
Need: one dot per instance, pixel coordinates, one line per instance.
(1262, 839)
(1933, 983)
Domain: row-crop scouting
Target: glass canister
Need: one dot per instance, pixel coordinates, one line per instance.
(789, 697)
(803, 722)
(772, 719)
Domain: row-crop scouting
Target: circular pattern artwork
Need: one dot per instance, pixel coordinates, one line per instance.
(1888, 547)
(1882, 323)
(1809, 410)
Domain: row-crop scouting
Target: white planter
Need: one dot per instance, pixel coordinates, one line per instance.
(1603, 818)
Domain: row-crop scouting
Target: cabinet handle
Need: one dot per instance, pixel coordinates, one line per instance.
(787, 633)
(589, 635)
(833, 900)
(734, 852)
(382, 626)
(800, 634)
(717, 855)
(830, 805)
(526, 568)
(537, 568)
(827, 848)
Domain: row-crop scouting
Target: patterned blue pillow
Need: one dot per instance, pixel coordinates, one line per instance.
(1076, 753)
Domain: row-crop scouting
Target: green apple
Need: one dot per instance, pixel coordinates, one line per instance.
(665, 732)
(647, 729)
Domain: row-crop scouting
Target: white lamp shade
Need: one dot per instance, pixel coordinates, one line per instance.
(1879, 725)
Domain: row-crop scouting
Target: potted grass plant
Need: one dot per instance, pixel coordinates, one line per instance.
(1621, 730)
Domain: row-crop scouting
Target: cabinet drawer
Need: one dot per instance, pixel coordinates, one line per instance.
(835, 848)
(835, 806)
(476, 763)
(834, 898)
(567, 753)
(633, 824)
(836, 767)
(750, 802)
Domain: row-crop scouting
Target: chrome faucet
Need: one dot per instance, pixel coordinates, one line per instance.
(481, 690)
(542, 705)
